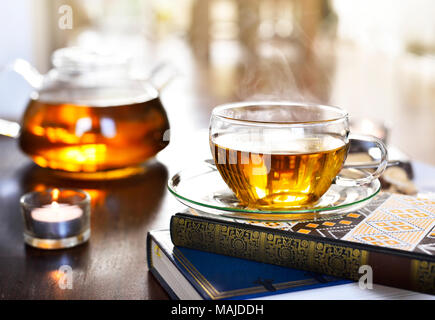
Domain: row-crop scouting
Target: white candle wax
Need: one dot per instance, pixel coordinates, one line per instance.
(56, 212)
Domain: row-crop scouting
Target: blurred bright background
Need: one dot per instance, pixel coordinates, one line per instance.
(374, 58)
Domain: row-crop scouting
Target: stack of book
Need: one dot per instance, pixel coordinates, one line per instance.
(390, 242)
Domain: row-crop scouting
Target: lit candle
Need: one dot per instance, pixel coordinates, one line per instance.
(56, 212)
(56, 220)
(63, 218)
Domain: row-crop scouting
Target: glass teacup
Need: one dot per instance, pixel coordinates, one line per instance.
(282, 154)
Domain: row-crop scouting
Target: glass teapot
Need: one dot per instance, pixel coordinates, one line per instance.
(89, 118)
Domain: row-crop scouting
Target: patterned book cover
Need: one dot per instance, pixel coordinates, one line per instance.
(394, 235)
(216, 277)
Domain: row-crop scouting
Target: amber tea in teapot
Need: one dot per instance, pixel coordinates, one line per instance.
(87, 138)
(89, 117)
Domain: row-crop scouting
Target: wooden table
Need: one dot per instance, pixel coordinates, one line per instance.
(112, 265)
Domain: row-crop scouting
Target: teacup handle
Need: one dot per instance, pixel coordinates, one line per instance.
(379, 169)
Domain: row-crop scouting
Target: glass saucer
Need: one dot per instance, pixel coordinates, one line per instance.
(202, 188)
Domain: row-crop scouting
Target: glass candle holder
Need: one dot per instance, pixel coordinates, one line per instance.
(56, 218)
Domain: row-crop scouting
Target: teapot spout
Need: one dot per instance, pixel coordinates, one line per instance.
(28, 72)
(9, 128)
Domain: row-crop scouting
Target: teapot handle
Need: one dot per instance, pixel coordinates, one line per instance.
(161, 75)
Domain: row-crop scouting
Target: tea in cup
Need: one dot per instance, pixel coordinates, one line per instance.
(282, 155)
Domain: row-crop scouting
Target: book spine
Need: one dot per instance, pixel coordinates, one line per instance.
(154, 272)
(341, 260)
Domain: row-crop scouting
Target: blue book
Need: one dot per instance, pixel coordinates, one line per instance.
(191, 274)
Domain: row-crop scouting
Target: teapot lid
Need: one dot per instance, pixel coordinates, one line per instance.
(93, 77)
(79, 59)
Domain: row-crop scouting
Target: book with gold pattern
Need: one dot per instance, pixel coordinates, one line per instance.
(394, 235)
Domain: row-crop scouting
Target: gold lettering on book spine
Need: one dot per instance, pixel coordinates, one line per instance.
(268, 247)
(423, 275)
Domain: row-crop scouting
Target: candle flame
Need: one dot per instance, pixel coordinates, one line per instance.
(55, 194)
